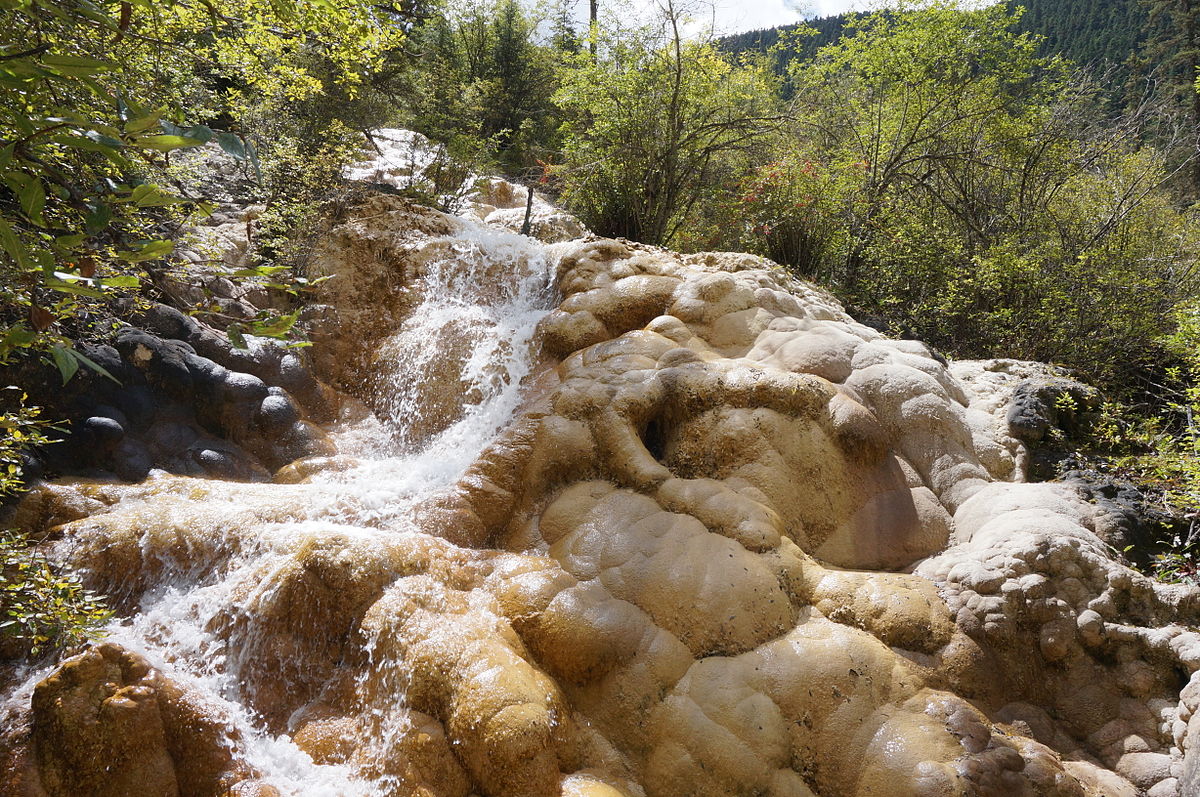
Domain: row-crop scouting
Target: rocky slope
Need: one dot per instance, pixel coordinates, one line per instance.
(600, 519)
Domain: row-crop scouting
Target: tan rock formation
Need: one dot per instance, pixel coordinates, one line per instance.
(734, 543)
(107, 724)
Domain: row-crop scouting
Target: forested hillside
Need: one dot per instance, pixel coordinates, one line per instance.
(1086, 31)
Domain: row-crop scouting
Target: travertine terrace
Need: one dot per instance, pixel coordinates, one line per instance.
(642, 524)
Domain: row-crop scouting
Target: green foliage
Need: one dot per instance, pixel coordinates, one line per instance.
(41, 609)
(1085, 31)
(74, 153)
(98, 94)
(484, 78)
(653, 125)
(23, 430)
(1170, 56)
(941, 174)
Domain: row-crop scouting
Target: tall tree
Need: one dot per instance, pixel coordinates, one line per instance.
(593, 18)
(649, 122)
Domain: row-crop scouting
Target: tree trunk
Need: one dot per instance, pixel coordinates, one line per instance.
(1191, 43)
(594, 9)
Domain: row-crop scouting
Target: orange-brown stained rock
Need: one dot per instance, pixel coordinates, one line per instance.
(107, 724)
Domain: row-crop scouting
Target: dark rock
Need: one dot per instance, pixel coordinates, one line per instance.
(138, 404)
(303, 439)
(164, 363)
(218, 463)
(167, 322)
(205, 372)
(131, 461)
(107, 358)
(104, 433)
(1138, 519)
(32, 468)
(277, 413)
(1042, 405)
(171, 437)
(242, 387)
(105, 411)
(217, 460)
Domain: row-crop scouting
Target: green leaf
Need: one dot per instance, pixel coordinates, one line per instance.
(167, 143)
(150, 251)
(75, 288)
(18, 336)
(108, 147)
(122, 281)
(98, 219)
(75, 65)
(103, 138)
(149, 195)
(257, 271)
(201, 133)
(70, 241)
(67, 365)
(33, 199)
(11, 244)
(78, 355)
(252, 154)
(236, 336)
(275, 327)
(232, 145)
(142, 124)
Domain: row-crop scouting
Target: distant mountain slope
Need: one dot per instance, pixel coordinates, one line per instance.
(1086, 31)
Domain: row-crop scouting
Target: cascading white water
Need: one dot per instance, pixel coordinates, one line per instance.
(201, 623)
(452, 375)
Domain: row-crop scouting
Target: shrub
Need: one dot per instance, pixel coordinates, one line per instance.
(42, 609)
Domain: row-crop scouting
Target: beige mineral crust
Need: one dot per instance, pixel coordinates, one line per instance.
(735, 543)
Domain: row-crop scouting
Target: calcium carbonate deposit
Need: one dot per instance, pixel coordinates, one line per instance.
(603, 520)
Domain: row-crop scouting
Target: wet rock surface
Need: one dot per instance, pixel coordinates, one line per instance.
(727, 541)
(181, 399)
(107, 724)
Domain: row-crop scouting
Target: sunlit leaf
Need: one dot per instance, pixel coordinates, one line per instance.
(150, 251)
(75, 65)
(165, 143)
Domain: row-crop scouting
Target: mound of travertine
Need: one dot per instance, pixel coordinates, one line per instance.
(735, 544)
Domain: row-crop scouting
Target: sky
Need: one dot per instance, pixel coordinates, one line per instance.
(733, 16)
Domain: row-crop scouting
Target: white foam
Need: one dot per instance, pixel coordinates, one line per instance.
(200, 623)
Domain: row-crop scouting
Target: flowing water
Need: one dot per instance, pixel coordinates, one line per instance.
(470, 337)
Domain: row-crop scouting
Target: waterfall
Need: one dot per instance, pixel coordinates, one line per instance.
(470, 339)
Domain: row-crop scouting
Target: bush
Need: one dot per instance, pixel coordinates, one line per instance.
(42, 609)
